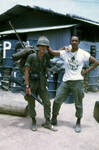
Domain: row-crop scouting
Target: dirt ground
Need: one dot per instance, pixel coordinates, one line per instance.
(16, 134)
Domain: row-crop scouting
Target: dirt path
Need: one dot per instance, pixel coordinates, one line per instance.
(16, 134)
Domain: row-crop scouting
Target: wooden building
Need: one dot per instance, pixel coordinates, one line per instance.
(30, 23)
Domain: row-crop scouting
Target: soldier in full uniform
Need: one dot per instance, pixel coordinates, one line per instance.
(36, 81)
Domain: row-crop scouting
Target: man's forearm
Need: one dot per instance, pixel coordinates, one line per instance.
(94, 63)
(92, 66)
(54, 52)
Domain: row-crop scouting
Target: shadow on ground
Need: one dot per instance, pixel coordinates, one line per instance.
(25, 123)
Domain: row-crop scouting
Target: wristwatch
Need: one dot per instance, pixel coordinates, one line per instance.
(27, 86)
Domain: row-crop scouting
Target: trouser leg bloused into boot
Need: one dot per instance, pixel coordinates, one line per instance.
(78, 93)
(31, 106)
(31, 111)
(61, 95)
(44, 95)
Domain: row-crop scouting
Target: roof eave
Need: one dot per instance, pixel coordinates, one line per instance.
(27, 30)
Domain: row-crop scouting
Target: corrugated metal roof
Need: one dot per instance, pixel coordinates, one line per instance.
(85, 20)
(18, 9)
(37, 29)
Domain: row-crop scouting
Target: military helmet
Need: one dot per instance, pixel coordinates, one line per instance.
(43, 41)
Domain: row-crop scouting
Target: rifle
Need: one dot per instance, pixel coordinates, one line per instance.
(25, 51)
(13, 79)
(22, 44)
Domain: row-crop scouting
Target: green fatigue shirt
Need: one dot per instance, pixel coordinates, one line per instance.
(38, 66)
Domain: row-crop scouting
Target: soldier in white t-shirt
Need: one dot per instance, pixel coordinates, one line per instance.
(74, 60)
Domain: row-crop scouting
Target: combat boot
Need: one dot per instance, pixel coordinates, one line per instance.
(78, 126)
(49, 126)
(54, 120)
(55, 113)
(34, 126)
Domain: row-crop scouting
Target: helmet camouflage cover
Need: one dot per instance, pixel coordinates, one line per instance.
(43, 41)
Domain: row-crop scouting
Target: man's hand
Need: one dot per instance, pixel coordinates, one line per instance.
(28, 91)
(49, 48)
(54, 52)
(67, 48)
(84, 72)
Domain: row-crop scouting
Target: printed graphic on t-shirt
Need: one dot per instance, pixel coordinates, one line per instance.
(73, 63)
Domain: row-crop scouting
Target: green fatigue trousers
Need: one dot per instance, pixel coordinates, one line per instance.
(77, 90)
(39, 88)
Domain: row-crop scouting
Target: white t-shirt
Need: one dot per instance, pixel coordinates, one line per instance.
(74, 63)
